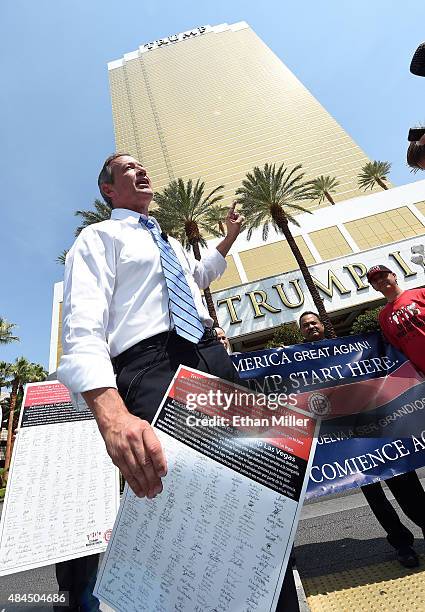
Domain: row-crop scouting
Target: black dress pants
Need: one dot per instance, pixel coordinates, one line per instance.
(144, 373)
(410, 495)
(78, 577)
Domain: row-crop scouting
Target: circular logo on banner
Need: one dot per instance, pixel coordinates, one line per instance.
(107, 535)
(319, 404)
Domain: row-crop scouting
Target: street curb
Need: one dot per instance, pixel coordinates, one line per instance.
(302, 599)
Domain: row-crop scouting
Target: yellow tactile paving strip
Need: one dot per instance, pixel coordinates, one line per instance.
(384, 587)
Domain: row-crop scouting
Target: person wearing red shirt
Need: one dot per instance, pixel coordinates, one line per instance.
(402, 321)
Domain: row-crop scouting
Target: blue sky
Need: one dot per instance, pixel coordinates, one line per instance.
(56, 120)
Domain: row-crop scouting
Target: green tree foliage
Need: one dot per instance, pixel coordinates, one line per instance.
(62, 257)
(6, 332)
(185, 212)
(271, 196)
(5, 374)
(322, 187)
(102, 212)
(285, 335)
(374, 173)
(215, 219)
(366, 322)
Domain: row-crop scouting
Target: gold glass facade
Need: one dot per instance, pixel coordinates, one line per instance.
(217, 104)
(230, 277)
(275, 258)
(330, 243)
(384, 227)
(421, 207)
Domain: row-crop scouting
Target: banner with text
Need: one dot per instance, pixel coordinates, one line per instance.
(370, 397)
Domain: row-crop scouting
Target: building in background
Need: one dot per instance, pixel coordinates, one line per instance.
(263, 288)
(214, 102)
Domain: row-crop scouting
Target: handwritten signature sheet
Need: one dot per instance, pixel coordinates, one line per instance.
(62, 496)
(218, 538)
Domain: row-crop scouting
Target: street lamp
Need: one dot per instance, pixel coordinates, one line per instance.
(418, 255)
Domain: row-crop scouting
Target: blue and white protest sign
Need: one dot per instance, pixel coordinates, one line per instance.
(371, 399)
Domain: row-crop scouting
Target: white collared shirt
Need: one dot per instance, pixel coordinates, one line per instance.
(115, 295)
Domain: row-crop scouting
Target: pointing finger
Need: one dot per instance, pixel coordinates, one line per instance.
(232, 214)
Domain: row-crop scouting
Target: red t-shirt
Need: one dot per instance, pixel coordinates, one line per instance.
(403, 325)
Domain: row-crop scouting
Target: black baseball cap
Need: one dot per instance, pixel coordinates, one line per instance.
(375, 270)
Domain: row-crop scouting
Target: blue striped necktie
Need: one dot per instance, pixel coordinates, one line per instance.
(181, 303)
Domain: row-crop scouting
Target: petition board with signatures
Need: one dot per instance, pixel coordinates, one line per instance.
(220, 534)
(63, 491)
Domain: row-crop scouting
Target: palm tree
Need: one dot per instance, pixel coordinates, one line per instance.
(5, 373)
(21, 372)
(62, 257)
(38, 373)
(269, 196)
(102, 212)
(322, 186)
(183, 211)
(215, 217)
(6, 328)
(374, 173)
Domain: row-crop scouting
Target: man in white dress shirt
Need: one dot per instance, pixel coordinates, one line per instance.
(120, 336)
(116, 309)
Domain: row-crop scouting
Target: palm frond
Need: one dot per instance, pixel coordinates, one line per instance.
(322, 187)
(214, 220)
(102, 212)
(183, 210)
(60, 259)
(293, 220)
(374, 173)
(6, 332)
(270, 193)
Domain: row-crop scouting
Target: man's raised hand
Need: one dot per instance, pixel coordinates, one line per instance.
(234, 222)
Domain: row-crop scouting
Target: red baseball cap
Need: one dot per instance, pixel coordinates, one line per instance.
(375, 270)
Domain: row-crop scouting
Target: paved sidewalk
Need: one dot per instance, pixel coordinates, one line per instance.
(345, 562)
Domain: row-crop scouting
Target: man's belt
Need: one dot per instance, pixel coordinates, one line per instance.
(158, 341)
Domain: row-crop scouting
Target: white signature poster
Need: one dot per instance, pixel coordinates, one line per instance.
(218, 538)
(62, 495)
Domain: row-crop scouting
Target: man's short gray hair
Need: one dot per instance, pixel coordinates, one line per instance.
(105, 175)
